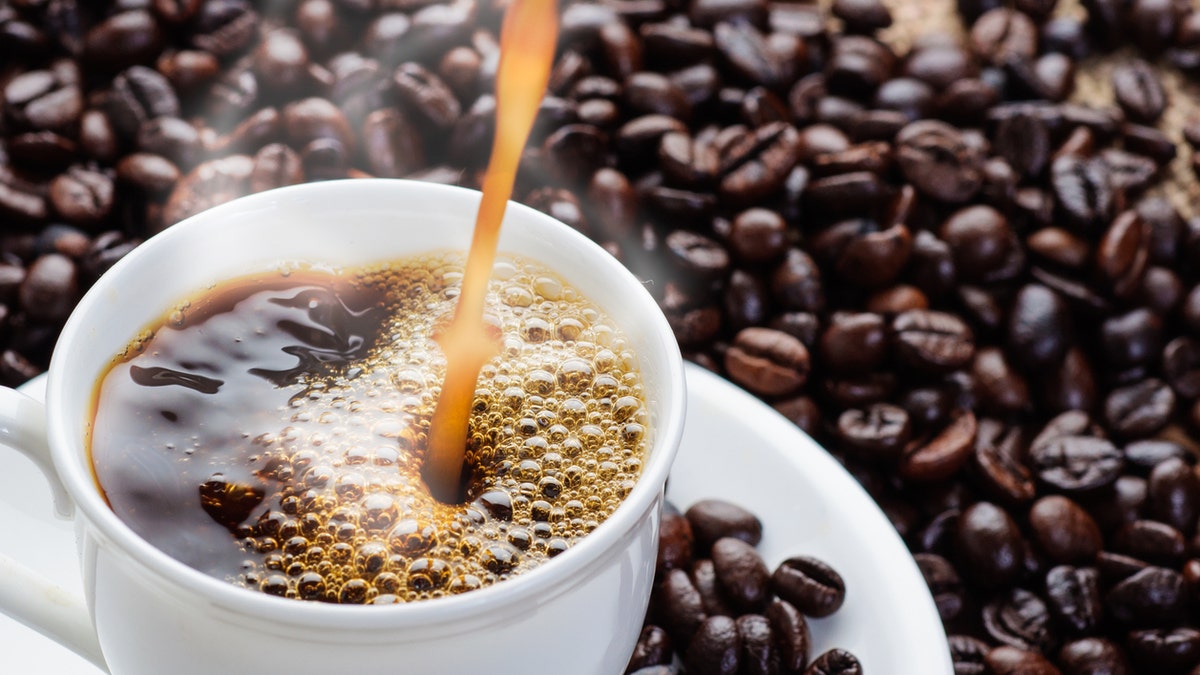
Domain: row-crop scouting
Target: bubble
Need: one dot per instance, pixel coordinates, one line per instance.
(464, 583)
(539, 382)
(427, 574)
(379, 511)
(275, 584)
(353, 592)
(310, 586)
(569, 329)
(516, 296)
(527, 470)
(536, 330)
(408, 381)
(411, 538)
(350, 486)
(548, 288)
(500, 558)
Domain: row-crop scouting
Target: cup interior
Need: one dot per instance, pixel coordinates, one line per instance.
(343, 224)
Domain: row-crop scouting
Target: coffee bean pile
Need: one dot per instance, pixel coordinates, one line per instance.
(717, 609)
(964, 284)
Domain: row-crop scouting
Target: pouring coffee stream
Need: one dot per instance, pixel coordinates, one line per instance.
(527, 43)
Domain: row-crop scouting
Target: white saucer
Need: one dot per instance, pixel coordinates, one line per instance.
(734, 448)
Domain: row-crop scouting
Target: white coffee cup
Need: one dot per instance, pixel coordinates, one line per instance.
(146, 613)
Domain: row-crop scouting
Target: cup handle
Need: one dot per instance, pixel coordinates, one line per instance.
(25, 595)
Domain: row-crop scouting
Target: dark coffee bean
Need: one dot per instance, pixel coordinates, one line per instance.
(756, 164)
(392, 144)
(1139, 410)
(225, 27)
(678, 606)
(943, 582)
(989, 545)
(1093, 656)
(854, 343)
(1000, 388)
(835, 662)
(1131, 339)
(858, 66)
(1122, 502)
(1020, 619)
(792, 636)
(703, 574)
(1153, 596)
(1071, 385)
(715, 649)
(275, 165)
(1143, 456)
(862, 16)
(1003, 34)
(82, 196)
(653, 649)
(1038, 326)
(209, 184)
(653, 94)
(758, 236)
(50, 288)
(713, 519)
(878, 431)
(939, 161)
(675, 542)
(1173, 650)
(996, 462)
(1083, 189)
(801, 411)
(149, 174)
(942, 455)
(139, 94)
(188, 70)
(40, 100)
(1073, 596)
(968, 654)
(122, 40)
(810, 585)
(172, 138)
(309, 119)
(696, 256)
(1115, 567)
(767, 362)
(1064, 531)
(1010, 660)
(1181, 365)
(742, 574)
(1161, 290)
(620, 49)
(281, 60)
(932, 341)
(1123, 253)
(980, 240)
(1154, 542)
(768, 60)
(1174, 492)
(759, 655)
(1138, 90)
(1149, 141)
(1073, 463)
(577, 151)
(426, 95)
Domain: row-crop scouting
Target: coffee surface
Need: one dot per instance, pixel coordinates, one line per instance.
(271, 431)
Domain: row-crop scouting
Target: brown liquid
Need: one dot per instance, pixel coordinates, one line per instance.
(271, 432)
(527, 42)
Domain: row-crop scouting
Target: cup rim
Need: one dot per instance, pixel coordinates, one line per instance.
(525, 587)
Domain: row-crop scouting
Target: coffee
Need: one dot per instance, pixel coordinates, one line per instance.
(271, 430)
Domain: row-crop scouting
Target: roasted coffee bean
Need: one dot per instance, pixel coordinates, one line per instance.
(1123, 253)
(968, 654)
(835, 662)
(1064, 530)
(1000, 387)
(172, 138)
(678, 606)
(758, 236)
(767, 362)
(1138, 90)
(792, 637)
(653, 648)
(768, 60)
(1020, 619)
(741, 574)
(1073, 596)
(877, 432)
(854, 343)
(1074, 464)
(1176, 650)
(392, 144)
(275, 165)
(50, 288)
(715, 649)
(979, 239)
(996, 463)
(862, 16)
(1138, 410)
(1122, 502)
(989, 545)
(1154, 542)
(1153, 596)
(943, 455)
(40, 100)
(810, 585)
(1174, 491)
(759, 655)
(1002, 34)
(939, 161)
(1131, 339)
(675, 542)
(703, 574)
(932, 341)
(122, 40)
(312, 118)
(209, 184)
(1083, 190)
(713, 519)
(943, 582)
(1010, 660)
(225, 27)
(139, 94)
(1038, 326)
(82, 196)
(147, 173)
(1093, 656)
(755, 165)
